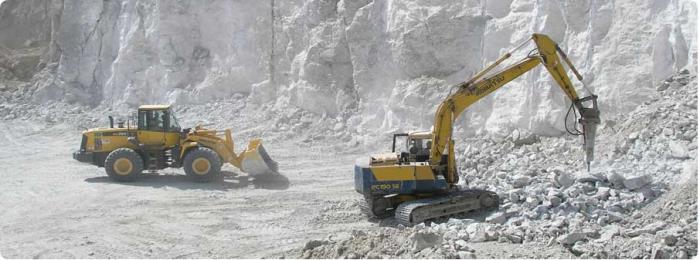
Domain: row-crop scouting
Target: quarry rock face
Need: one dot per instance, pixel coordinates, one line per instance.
(387, 64)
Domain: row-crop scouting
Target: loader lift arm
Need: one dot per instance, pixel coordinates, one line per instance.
(476, 88)
(250, 160)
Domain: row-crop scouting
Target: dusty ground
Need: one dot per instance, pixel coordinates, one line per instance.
(56, 207)
(59, 208)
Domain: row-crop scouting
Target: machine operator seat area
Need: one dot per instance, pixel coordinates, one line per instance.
(420, 151)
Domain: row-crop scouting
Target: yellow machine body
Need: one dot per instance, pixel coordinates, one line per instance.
(161, 143)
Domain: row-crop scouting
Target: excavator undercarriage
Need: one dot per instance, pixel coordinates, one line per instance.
(417, 210)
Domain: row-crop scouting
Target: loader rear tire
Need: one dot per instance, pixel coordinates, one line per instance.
(123, 165)
(202, 164)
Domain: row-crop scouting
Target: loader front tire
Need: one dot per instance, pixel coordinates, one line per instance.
(202, 164)
(123, 165)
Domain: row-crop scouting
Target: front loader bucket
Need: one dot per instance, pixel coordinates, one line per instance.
(256, 161)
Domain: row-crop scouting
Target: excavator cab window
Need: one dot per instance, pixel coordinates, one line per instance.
(415, 145)
(411, 148)
(393, 144)
(419, 150)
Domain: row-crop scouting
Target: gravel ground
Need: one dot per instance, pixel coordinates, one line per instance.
(638, 201)
(60, 208)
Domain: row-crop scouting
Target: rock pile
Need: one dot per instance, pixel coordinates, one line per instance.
(639, 200)
(547, 198)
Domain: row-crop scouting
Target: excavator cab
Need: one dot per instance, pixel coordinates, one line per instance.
(416, 146)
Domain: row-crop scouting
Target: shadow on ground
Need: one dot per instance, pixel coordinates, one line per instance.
(227, 181)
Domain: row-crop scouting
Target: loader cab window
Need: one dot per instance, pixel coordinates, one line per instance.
(154, 120)
(158, 120)
(173, 126)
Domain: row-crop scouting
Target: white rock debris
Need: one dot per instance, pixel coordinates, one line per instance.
(636, 202)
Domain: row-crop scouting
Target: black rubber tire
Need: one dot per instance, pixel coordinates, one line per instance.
(126, 153)
(214, 164)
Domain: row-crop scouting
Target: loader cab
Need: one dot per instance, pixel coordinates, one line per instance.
(157, 126)
(414, 147)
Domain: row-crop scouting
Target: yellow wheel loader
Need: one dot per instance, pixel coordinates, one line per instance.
(419, 183)
(157, 142)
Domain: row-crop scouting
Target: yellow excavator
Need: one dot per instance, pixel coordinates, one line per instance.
(420, 184)
(157, 142)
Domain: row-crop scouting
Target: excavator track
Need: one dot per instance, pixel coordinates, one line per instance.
(417, 211)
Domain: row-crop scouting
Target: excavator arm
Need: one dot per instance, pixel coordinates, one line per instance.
(471, 91)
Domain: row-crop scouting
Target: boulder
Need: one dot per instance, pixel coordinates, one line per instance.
(463, 235)
(614, 216)
(603, 193)
(661, 252)
(541, 209)
(461, 245)
(515, 239)
(608, 233)
(563, 179)
(500, 217)
(515, 195)
(459, 223)
(588, 178)
(424, 239)
(677, 150)
(311, 244)
(532, 202)
(616, 179)
(648, 229)
(670, 236)
(571, 238)
(497, 218)
(521, 181)
(554, 201)
(669, 240)
(451, 234)
(477, 232)
(466, 255)
(633, 136)
(637, 182)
